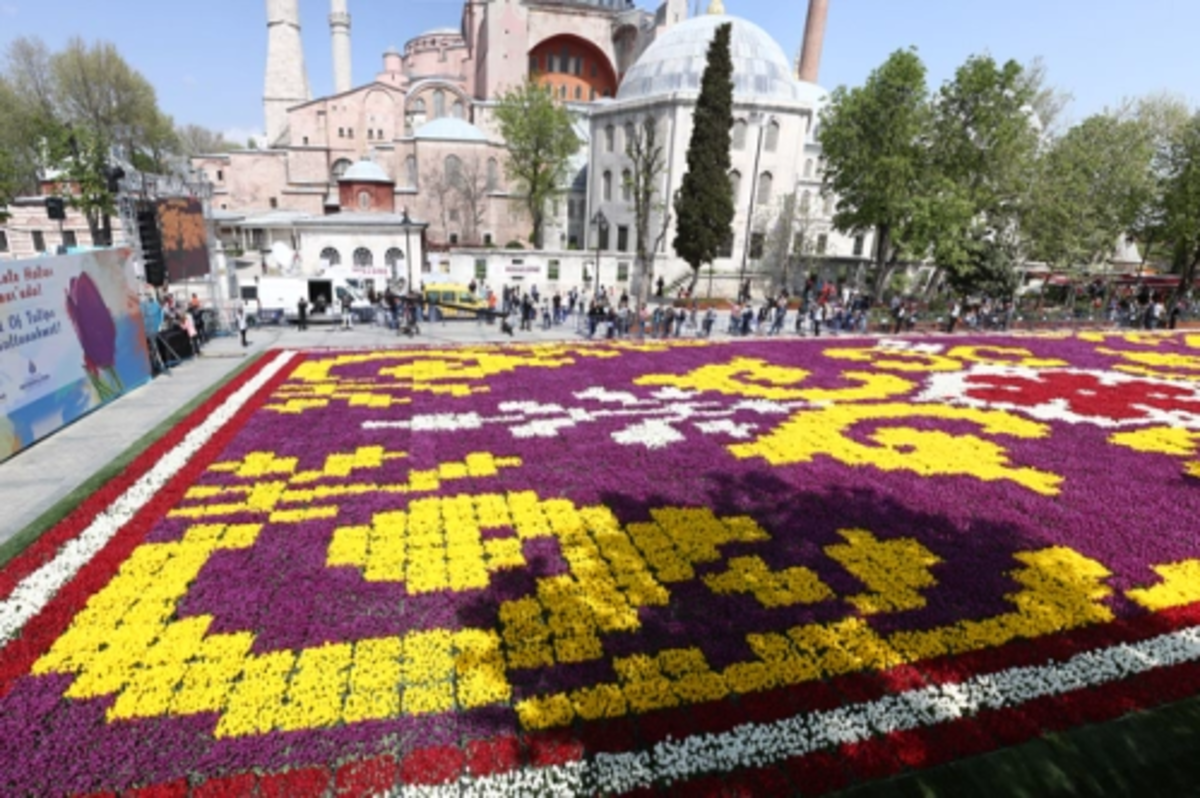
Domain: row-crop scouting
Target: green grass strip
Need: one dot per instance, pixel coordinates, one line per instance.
(61, 509)
(1156, 752)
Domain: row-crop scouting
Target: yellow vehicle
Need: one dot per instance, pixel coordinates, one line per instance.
(455, 294)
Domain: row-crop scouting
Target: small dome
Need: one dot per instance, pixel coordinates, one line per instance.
(449, 128)
(675, 63)
(366, 172)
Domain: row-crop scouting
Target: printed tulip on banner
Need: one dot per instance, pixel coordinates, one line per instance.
(97, 334)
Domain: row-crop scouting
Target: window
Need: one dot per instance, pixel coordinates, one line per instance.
(456, 110)
(565, 59)
(739, 134)
(454, 239)
(363, 258)
(370, 133)
(331, 256)
(629, 135)
(808, 168)
(341, 132)
(822, 243)
(533, 64)
(39, 241)
(591, 94)
(562, 92)
(623, 238)
(594, 70)
(603, 244)
(570, 209)
(481, 268)
(829, 206)
(379, 134)
(3, 241)
(493, 174)
(726, 248)
(858, 245)
(453, 170)
(606, 186)
(623, 271)
(439, 104)
(764, 188)
(364, 200)
(393, 258)
(306, 141)
(627, 186)
(274, 203)
(552, 270)
(772, 141)
(487, 239)
(69, 239)
(454, 214)
(735, 185)
(419, 107)
(349, 132)
(756, 245)
(798, 244)
(806, 202)
(551, 62)
(410, 171)
(609, 138)
(578, 92)
(577, 66)
(256, 238)
(220, 175)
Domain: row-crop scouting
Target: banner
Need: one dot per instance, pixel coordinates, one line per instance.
(184, 238)
(71, 339)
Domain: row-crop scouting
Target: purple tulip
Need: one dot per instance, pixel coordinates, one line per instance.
(93, 323)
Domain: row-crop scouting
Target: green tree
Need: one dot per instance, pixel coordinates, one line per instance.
(1179, 169)
(873, 145)
(541, 140)
(649, 162)
(704, 205)
(198, 140)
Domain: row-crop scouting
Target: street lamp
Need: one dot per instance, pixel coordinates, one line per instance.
(601, 222)
(407, 249)
(763, 123)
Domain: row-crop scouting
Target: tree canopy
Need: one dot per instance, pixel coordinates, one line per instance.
(704, 205)
(541, 140)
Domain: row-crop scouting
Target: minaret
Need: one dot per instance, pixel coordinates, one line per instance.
(814, 40)
(339, 29)
(287, 79)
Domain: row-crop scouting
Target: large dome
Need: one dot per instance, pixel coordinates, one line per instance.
(675, 63)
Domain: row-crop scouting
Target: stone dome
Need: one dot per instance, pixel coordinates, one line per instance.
(675, 63)
(366, 172)
(449, 128)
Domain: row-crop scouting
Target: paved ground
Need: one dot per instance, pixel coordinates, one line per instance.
(37, 478)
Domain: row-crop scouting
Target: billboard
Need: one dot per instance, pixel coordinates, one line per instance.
(184, 238)
(71, 339)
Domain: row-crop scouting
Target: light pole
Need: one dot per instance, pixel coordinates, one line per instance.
(601, 222)
(762, 127)
(407, 249)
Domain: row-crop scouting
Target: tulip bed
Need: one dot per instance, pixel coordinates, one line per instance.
(766, 567)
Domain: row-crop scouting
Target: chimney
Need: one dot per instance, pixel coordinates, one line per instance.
(287, 79)
(814, 39)
(339, 29)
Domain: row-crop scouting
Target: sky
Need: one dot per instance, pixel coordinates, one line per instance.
(207, 59)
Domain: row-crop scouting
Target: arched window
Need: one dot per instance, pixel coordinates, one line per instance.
(453, 170)
(829, 206)
(735, 185)
(410, 171)
(764, 188)
(606, 187)
(806, 202)
(363, 258)
(739, 134)
(772, 139)
(393, 258)
(609, 138)
(339, 168)
(364, 200)
(630, 134)
(370, 134)
(493, 174)
(808, 168)
(331, 256)
(439, 104)
(456, 110)
(627, 184)
(419, 106)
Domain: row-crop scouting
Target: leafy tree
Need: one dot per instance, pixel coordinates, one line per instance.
(540, 140)
(649, 162)
(704, 204)
(1179, 167)
(198, 140)
(873, 144)
(1163, 117)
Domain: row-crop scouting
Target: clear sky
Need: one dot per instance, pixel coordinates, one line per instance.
(206, 59)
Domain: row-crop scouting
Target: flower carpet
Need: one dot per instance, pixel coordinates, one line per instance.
(762, 567)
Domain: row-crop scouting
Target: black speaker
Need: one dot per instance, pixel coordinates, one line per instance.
(152, 248)
(56, 208)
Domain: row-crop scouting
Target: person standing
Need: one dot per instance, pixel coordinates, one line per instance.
(240, 315)
(955, 311)
(347, 308)
(302, 308)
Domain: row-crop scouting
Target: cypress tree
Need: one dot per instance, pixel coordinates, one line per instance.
(704, 204)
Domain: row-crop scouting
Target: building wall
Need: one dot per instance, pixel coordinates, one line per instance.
(313, 241)
(28, 216)
(378, 197)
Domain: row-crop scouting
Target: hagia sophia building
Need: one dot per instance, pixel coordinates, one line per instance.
(405, 173)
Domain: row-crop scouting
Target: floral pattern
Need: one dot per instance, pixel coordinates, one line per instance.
(573, 569)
